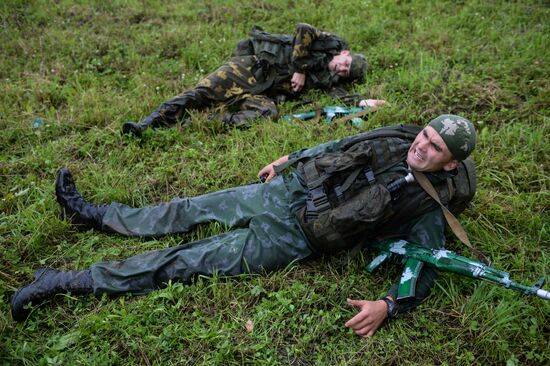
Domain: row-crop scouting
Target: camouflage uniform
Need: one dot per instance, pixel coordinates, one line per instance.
(240, 87)
(265, 234)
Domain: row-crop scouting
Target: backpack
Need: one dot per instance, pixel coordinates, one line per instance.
(348, 199)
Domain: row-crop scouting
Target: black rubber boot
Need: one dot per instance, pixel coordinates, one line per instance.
(74, 208)
(136, 129)
(48, 283)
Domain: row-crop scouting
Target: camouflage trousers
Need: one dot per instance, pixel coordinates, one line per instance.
(230, 86)
(265, 236)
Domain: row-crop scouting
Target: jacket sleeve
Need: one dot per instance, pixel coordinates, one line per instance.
(428, 231)
(304, 36)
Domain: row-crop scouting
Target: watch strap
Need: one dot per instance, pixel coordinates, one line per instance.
(392, 306)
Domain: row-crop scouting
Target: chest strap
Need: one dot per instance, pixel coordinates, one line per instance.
(317, 200)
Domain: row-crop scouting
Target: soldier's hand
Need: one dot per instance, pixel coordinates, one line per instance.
(369, 318)
(297, 82)
(373, 103)
(268, 171)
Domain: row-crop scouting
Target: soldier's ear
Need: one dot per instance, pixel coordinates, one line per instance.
(344, 52)
(451, 165)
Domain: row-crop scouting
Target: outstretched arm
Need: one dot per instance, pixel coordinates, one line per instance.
(342, 95)
(428, 230)
(373, 103)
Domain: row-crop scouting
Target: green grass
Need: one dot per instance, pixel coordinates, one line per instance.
(86, 67)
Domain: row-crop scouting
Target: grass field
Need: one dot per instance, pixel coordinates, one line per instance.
(86, 67)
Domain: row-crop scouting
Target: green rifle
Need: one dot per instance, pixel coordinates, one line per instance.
(330, 113)
(415, 256)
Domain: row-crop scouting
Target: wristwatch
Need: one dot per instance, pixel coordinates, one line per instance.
(392, 308)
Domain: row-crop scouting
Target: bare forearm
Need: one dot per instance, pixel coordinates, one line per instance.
(268, 171)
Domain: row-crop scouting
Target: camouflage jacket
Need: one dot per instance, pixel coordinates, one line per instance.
(308, 51)
(427, 229)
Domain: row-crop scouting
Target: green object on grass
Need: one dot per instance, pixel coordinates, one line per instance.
(415, 257)
(329, 113)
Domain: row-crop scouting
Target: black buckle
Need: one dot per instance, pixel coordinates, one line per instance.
(338, 192)
(369, 174)
(316, 203)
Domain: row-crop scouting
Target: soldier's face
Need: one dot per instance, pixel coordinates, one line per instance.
(429, 153)
(341, 64)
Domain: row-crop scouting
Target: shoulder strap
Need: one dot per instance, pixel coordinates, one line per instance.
(457, 229)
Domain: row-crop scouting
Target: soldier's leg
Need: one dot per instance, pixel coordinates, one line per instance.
(253, 107)
(172, 111)
(232, 207)
(271, 241)
(267, 244)
(225, 84)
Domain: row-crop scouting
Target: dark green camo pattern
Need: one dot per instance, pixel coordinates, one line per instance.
(265, 236)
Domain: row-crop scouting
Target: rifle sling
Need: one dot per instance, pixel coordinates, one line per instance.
(318, 111)
(349, 117)
(457, 229)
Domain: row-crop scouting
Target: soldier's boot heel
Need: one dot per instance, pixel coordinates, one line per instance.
(132, 128)
(74, 207)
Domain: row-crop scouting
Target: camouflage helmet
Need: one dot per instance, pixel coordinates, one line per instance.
(458, 133)
(358, 67)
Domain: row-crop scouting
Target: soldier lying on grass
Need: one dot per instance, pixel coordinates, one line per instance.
(333, 197)
(268, 68)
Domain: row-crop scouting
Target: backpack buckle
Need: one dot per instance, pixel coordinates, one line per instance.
(369, 174)
(316, 203)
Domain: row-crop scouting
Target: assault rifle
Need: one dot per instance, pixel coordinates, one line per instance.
(330, 113)
(415, 256)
